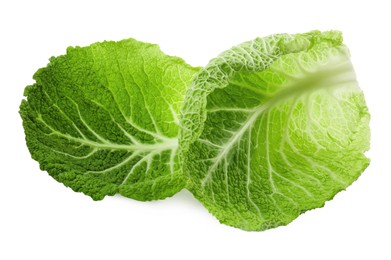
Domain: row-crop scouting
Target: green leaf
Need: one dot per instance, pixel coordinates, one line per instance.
(274, 127)
(103, 119)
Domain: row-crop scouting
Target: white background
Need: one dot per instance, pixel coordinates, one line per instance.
(41, 219)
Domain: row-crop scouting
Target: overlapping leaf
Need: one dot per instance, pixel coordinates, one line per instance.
(274, 127)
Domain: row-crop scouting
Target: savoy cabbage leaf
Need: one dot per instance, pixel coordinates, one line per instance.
(274, 127)
(267, 130)
(103, 119)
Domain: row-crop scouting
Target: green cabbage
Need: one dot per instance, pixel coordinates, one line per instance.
(266, 131)
(274, 127)
(103, 119)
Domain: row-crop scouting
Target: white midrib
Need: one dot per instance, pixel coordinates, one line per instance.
(166, 144)
(234, 139)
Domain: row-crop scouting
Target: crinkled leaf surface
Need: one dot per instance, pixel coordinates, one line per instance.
(103, 119)
(274, 127)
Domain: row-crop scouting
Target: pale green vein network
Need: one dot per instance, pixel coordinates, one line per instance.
(103, 119)
(260, 177)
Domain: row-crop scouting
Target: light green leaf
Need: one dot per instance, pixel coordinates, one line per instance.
(104, 119)
(274, 127)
